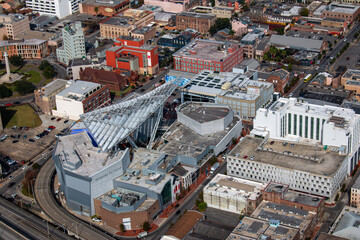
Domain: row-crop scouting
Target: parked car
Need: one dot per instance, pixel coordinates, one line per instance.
(53, 118)
(31, 140)
(59, 119)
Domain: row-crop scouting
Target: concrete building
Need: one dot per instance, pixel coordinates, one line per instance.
(281, 194)
(133, 54)
(297, 121)
(303, 167)
(145, 33)
(250, 42)
(202, 54)
(341, 11)
(106, 8)
(15, 24)
(296, 43)
(123, 23)
(355, 194)
(45, 96)
(80, 97)
(278, 214)
(252, 228)
(348, 226)
(172, 41)
(85, 172)
(223, 12)
(351, 81)
(233, 194)
(58, 8)
(79, 64)
(73, 43)
(202, 130)
(27, 49)
(201, 22)
(172, 6)
(236, 90)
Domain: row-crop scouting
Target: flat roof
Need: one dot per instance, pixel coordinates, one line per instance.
(77, 154)
(182, 139)
(142, 30)
(202, 114)
(119, 20)
(354, 74)
(105, 3)
(206, 50)
(302, 157)
(235, 187)
(53, 86)
(341, 8)
(197, 15)
(185, 224)
(295, 42)
(78, 89)
(22, 42)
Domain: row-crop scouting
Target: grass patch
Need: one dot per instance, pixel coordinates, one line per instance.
(25, 191)
(32, 76)
(21, 116)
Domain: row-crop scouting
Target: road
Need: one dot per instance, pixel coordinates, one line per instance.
(24, 225)
(46, 200)
(325, 62)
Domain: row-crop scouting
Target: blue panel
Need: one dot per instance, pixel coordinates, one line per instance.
(183, 80)
(79, 130)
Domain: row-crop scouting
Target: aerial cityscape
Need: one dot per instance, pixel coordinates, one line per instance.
(180, 119)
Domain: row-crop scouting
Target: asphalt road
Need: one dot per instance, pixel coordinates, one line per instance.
(46, 200)
(25, 225)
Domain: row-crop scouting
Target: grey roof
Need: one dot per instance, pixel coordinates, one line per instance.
(296, 43)
(78, 88)
(357, 183)
(197, 15)
(348, 226)
(110, 125)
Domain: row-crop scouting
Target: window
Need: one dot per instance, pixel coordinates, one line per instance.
(317, 128)
(300, 128)
(295, 124)
(312, 128)
(306, 126)
(289, 127)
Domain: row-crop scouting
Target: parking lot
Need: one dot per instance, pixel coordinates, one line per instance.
(18, 147)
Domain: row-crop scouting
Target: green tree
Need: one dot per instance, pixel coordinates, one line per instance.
(5, 91)
(202, 206)
(304, 12)
(245, 7)
(212, 3)
(146, 226)
(290, 67)
(23, 87)
(44, 64)
(5, 37)
(337, 197)
(220, 24)
(49, 72)
(122, 228)
(35, 166)
(96, 9)
(16, 60)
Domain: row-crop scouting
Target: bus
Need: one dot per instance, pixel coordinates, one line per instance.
(307, 78)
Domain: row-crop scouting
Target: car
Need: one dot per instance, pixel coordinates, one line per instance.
(25, 136)
(14, 127)
(285, 144)
(245, 157)
(59, 119)
(11, 184)
(11, 177)
(52, 127)
(18, 136)
(31, 140)
(142, 90)
(27, 128)
(66, 121)
(272, 142)
(178, 212)
(59, 135)
(151, 78)
(12, 136)
(37, 137)
(347, 58)
(15, 141)
(53, 118)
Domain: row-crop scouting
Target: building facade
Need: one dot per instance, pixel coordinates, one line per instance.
(355, 194)
(123, 23)
(145, 33)
(201, 22)
(132, 54)
(200, 54)
(27, 49)
(351, 81)
(173, 7)
(106, 8)
(80, 97)
(58, 8)
(15, 25)
(45, 96)
(341, 11)
(73, 44)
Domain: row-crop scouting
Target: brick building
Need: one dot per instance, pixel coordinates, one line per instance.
(201, 22)
(45, 96)
(202, 54)
(145, 33)
(280, 79)
(123, 23)
(281, 194)
(133, 55)
(355, 194)
(27, 49)
(341, 11)
(115, 81)
(106, 8)
(350, 81)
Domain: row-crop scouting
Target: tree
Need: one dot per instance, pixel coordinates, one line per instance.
(16, 60)
(122, 228)
(343, 188)
(337, 197)
(220, 24)
(146, 226)
(5, 91)
(245, 7)
(304, 12)
(23, 87)
(5, 37)
(43, 65)
(290, 67)
(96, 9)
(202, 206)
(212, 2)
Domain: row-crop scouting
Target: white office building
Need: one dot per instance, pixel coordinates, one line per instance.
(73, 43)
(298, 121)
(59, 8)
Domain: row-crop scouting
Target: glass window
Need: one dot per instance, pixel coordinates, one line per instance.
(289, 121)
(312, 128)
(317, 128)
(306, 126)
(300, 128)
(295, 124)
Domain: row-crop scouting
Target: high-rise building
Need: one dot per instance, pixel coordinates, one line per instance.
(73, 43)
(59, 8)
(15, 24)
